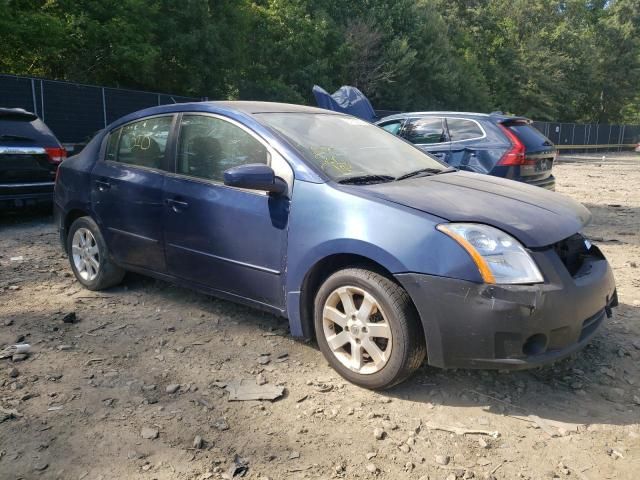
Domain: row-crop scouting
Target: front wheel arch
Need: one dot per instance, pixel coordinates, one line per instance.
(403, 347)
(322, 270)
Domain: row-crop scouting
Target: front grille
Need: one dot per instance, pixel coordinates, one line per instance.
(572, 252)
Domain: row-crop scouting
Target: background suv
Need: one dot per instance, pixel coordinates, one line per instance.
(29, 157)
(495, 144)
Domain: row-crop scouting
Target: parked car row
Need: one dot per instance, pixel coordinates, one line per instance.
(384, 253)
(494, 144)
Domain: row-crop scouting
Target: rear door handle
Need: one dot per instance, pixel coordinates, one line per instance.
(103, 185)
(177, 205)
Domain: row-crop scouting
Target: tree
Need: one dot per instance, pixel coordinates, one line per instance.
(567, 60)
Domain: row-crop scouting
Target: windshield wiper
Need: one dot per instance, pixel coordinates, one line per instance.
(426, 171)
(366, 179)
(15, 137)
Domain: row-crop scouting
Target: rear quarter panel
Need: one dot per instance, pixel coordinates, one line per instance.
(73, 186)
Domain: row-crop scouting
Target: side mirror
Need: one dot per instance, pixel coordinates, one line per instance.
(255, 176)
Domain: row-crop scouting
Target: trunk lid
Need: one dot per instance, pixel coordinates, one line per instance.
(540, 153)
(23, 139)
(25, 164)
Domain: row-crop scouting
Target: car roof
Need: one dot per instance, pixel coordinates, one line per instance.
(267, 107)
(235, 105)
(495, 116)
(232, 108)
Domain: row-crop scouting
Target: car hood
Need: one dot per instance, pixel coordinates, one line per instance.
(535, 216)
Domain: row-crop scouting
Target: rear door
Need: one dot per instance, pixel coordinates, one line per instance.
(127, 192)
(540, 153)
(429, 134)
(468, 148)
(26, 167)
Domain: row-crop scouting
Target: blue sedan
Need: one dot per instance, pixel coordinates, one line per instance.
(379, 251)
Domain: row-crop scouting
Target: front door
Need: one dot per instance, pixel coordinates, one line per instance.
(428, 134)
(127, 192)
(226, 238)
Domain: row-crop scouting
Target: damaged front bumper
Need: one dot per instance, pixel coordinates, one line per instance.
(471, 325)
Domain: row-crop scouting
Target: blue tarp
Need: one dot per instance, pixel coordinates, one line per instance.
(346, 100)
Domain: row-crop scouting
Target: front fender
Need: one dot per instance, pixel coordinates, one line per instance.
(326, 221)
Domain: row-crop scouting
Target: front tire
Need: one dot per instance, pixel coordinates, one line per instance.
(368, 329)
(89, 256)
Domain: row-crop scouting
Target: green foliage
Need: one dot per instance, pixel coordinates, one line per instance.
(569, 60)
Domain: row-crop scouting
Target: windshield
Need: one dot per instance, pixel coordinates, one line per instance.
(346, 147)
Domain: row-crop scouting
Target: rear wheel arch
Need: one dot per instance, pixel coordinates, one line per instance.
(71, 216)
(86, 247)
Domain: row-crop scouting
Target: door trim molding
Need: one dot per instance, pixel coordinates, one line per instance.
(141, 237)
(228, 260)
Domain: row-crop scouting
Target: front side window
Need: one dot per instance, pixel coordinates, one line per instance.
(140, 143)
(392, 127)
(461, 129)
(425, 130)
(207, 146)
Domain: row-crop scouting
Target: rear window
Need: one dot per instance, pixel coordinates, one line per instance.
(22, 131)
(529, 135)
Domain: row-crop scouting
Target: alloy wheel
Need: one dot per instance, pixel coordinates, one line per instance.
(356, 330)
(85, 253)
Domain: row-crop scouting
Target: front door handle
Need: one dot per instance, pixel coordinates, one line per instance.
(103, 185)
(177, 205)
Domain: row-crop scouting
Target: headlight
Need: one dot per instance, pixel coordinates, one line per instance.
(499, 257)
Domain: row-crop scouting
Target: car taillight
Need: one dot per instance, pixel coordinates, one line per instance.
(516, 154)
(56, 154)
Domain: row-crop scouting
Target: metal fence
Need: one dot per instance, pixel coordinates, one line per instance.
(73, 111)
(76, 111)
(590, 137)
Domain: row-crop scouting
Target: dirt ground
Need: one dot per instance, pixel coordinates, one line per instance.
(79, 405)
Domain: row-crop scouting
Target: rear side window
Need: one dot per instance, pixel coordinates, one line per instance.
(529, 135)
(140, 143)
(425, 130)
(461, 129)
(207, 146)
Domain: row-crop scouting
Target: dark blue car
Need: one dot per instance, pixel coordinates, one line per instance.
(382, 253)
(495, 144)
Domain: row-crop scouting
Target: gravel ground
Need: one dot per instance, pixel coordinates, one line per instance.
(93, 400)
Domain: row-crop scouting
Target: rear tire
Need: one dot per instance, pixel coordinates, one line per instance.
(89, 256)
(368, 329)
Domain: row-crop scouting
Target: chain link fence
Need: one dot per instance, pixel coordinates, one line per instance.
(74, 111)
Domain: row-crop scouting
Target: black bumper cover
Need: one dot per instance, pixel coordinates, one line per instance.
(470, 325)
